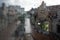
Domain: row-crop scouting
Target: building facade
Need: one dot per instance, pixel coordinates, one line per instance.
(46, 22)
(55, 14)
(49, 14)
(41, 17)
(8, 22)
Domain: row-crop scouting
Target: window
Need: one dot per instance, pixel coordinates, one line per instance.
(58, 28)
(54, 15)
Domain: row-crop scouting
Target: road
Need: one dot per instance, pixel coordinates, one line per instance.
(28, 29)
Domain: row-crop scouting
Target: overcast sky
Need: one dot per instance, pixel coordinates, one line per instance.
(28, 4)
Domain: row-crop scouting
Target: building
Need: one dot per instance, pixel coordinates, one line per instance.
(55, 14)
(51, 14)
(41, 16)
(32, 13)
(3, 14)
(47, 22)
(18, 9)
(8, 22)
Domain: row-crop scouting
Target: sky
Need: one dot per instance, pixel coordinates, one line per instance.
(28, 4)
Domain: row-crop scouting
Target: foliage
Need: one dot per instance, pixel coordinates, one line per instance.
(44, 26)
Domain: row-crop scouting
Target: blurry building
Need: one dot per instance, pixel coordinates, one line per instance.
(46, 20)
(49, 14)
(55, 17)
(3, 16)
(8, 22)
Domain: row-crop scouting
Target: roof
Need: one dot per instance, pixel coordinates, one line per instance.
(54, 7)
